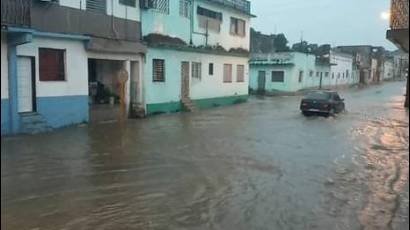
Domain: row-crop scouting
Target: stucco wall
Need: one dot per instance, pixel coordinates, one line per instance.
(208, 87)
(343, 64)
(155, 22)
(76, 82)
(4, 68)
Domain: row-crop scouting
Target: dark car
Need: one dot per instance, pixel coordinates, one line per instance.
(323, 102)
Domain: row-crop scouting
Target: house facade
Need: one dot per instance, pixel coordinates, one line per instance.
(202, 62)
(57, 54)
(289, 72)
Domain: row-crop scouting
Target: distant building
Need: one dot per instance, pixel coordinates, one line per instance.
(289, 72)
(388, 69)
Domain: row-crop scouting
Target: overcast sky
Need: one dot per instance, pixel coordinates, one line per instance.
(336, 22)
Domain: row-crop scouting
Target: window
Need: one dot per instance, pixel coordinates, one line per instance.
(209, 13)
(238, 27)
(317, 74)
(161, 6)
(240, 73)
(338, 75)
(52, 64)
(211, 69)
(300, 76)
(326, 74)
(209, 19)
(278, 76)
(185, 8)
(333, 75)
(343, 75)
(196, 70)
(227, 73)
(158, 70)
(131, 3)
(311, 73)
(347, 73)
(99, 6)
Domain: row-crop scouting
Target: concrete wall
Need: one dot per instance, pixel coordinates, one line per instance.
(208, 87)
(388, 70)
(4, 86)
(342, 70)
(4, 68)
(155, 22)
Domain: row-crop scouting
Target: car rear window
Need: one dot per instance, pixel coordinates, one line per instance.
(318, 96)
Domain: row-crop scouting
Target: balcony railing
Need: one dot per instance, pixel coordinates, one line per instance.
(16, 12)
(241, 5)
(399, 14)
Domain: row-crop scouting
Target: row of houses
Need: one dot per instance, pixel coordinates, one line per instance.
(66, 62)
(287, 72)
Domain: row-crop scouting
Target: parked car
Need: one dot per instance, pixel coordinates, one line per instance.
(322, 102)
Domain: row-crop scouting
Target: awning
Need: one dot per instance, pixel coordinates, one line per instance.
(115, 46)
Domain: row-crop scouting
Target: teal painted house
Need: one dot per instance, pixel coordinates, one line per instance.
(198, 53)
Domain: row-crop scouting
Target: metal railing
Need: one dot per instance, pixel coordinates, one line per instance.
(241, 5)
(16, 12)
(399, 14)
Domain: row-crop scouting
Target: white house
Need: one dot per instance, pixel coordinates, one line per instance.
(55, 51)
(198, 53)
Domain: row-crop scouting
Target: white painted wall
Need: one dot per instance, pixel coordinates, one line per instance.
(343, 63)
(174, 25)
(4, 68)
(78, 4)
(224, 38)
(76, 82)
(388, 68)
(122, 11)
(209, 86)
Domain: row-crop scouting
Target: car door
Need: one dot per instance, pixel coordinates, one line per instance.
(338, 102)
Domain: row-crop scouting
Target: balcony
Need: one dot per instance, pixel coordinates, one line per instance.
(16, 13)
(243, 6)
(399, 24)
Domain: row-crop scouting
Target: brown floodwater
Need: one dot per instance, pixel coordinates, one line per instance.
(259, 165)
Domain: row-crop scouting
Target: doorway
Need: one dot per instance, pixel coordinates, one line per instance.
(261, 81)
(26, 85)
(184, 80)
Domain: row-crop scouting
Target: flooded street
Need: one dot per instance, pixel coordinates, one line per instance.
(254, 166)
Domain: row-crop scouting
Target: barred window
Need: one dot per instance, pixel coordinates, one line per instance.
(158, 70)
(240, 73)
(278, 76)
(227, 73)
(184, 8)
(196, 70)
(161, 6)
(211, 69)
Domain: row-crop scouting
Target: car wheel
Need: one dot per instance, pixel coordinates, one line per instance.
(306, 114)
(332, 112)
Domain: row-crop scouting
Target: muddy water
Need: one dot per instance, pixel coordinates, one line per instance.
(259, 166)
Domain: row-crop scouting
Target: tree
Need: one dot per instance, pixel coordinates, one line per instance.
(281, 43)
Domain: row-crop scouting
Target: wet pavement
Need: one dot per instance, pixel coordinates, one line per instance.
(260, 165)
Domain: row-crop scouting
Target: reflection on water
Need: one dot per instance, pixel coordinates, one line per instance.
(259, 166)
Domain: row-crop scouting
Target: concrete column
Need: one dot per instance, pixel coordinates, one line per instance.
(13, 106)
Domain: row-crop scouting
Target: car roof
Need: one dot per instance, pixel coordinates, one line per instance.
(323, 91)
